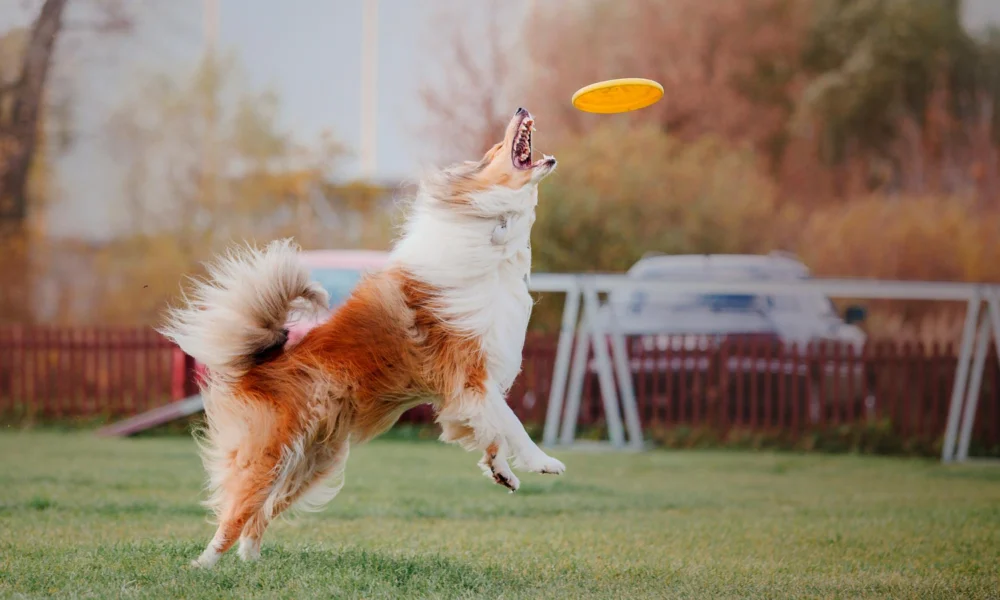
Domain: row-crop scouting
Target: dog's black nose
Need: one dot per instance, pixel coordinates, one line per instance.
(520, 111)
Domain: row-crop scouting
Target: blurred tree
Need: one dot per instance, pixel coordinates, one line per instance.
(988, 75)
(728, 68)
(467, 102)
(26, 58)
(208, 164)
(620, 193)
(12, 47)
(924, 238)
(21, 99)
(856, 94)
(24, 91)
(875, 63)
(772, 109)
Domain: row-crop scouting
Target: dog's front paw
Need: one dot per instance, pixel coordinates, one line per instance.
(543, 463)
(507, 479)
(207, 559)
(499, 471)
(200, 563)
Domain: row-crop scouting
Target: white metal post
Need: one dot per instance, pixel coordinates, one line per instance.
(560, 371)
(210, 17)
(210, 24)
(975, 383)
(961, 378)
(605, 376)
(577, 374)
(993, 303)
(619, 353)
(990, 325)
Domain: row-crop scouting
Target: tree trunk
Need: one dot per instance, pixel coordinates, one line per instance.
(19, 130)
(21, 105)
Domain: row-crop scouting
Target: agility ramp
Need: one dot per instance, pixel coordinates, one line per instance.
(154, 418)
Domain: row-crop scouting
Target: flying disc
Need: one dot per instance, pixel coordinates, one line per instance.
(617, 95)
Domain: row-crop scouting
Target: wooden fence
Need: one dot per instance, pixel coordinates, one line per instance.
(748, 384)
(757, 385)
(55, 372)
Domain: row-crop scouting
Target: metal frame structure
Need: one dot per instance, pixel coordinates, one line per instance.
(578, 332)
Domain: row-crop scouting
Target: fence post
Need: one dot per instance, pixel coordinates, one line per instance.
(178, 375)
(972, 395)
(622, 368)
(560, 371)
(577, 374)
(605, 370)
(961, 377)
(990, 324)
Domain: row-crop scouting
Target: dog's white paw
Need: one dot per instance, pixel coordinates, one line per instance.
(543, 463)
(200, 563)
(249, 549)
(207, 559)
(499, 471)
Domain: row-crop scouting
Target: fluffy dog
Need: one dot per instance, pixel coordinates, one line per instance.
(444, 324)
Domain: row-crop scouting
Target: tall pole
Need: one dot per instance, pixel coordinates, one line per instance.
(210, 38)
(369, 88)
(210, 24)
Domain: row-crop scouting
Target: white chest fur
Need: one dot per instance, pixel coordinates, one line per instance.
(504, 340)
(481, 264)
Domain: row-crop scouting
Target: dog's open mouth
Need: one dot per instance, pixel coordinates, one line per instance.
(521, 152)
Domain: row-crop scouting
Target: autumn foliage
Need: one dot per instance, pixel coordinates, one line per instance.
(621, 192)
(858, 134)
(200, 171)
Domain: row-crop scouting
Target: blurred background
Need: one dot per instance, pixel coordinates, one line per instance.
(796, 139)
(140, 137)
(137, 138)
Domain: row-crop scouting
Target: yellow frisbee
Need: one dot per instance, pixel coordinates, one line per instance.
(617, 95)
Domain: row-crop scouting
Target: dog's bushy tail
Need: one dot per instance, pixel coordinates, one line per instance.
(238, 313)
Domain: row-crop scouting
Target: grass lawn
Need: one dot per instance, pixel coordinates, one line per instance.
(84, 517)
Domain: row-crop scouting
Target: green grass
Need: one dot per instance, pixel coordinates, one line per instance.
(83, 517)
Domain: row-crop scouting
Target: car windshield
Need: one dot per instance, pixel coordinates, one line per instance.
(807, 303)
(733, 302)
(337, 282)
(717, 302)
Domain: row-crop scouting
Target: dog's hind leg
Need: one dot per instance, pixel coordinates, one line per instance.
(247, 481)
(245, 499)
(310, 479)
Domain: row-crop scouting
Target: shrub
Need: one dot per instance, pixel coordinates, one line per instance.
(620, 193)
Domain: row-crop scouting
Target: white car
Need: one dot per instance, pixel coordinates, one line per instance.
(661, 318)
(751, 334)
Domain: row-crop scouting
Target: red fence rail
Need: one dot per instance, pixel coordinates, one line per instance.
(81, 372)
(748, 384)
